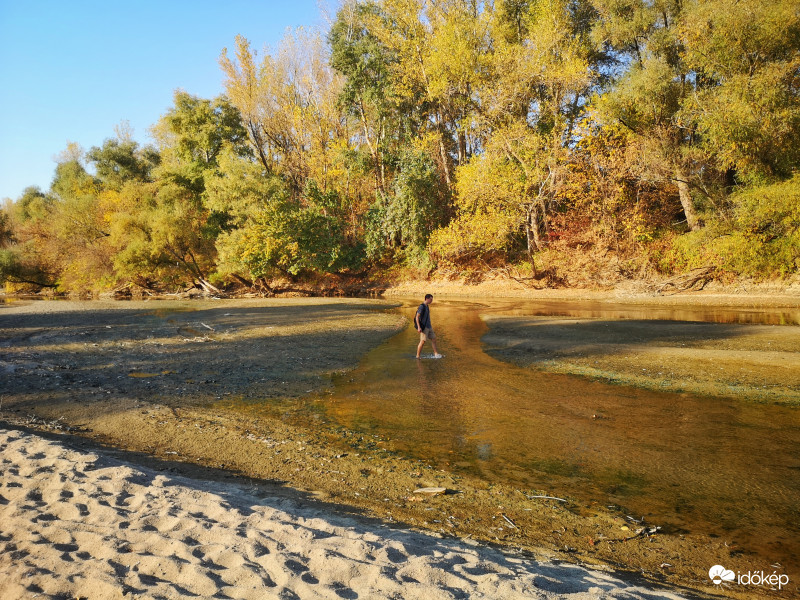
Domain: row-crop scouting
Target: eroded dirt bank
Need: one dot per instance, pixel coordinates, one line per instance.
(175, 380)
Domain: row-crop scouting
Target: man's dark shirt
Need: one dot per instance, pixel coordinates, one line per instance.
(424, 319)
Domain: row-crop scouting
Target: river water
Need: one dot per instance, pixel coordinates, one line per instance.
(722, 467)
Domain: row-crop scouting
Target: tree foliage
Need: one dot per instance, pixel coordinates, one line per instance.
(645, 135)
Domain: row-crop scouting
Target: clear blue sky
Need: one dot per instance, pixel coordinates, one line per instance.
(72, 70)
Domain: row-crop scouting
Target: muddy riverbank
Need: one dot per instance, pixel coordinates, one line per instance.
(210, 382)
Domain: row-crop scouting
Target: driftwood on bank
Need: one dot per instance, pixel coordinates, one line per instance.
(208, 287)
(540, 279)
(694, 280)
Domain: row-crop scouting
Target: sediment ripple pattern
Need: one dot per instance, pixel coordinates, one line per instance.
(80, 524)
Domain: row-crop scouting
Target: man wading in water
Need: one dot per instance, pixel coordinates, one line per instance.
(423, 322)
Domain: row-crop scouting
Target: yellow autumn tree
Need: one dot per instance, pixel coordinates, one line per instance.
(288, 104)
(540, 74)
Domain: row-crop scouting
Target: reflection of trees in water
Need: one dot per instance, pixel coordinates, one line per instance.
(437, 405)
(455, 392)
(676, 457)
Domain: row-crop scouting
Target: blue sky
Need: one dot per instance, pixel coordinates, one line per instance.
(73, 70)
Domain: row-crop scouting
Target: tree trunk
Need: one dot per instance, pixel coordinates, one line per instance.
(376, 159)
(462, 148)
(686, 201)
(532, 227)
(208, 287)
(445, 160)
(258, 144)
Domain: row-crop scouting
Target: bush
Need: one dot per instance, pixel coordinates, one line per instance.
(474, 236)
(761, 240)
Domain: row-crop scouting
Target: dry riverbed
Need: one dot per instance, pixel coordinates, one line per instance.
(181, 386)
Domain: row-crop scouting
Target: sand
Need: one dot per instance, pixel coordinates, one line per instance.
(85, 524)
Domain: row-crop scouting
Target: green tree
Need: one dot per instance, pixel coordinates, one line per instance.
(406, 217)
(760, 240)
(745, 59)
(273, 231)
(647, 98)
(191, 136)
(367, 92)
(710, 89)
(120, 160)
(164, 231)
(438, 52)
(6, 230)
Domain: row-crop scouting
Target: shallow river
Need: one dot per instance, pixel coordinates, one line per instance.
(707, 465)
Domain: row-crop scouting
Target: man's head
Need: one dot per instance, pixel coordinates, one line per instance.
(428, 298)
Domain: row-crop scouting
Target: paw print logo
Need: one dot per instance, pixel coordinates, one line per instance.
(718, 574)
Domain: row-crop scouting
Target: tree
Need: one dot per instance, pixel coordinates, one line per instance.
(272, 231)
(191, 136)
(648, 96)
(609, 207)
(710, 88)
(6, 231)
(745, 57)
(367, 91)
(406, 217)
(290, 239)
(23, 259)
(438, 51)
(288, 104)
(489, 213)
(164, 231)
(120, 160)
(543, 66)
(161, 237)
(78, 228)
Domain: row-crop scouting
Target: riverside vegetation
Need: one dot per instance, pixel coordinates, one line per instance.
(557, 142)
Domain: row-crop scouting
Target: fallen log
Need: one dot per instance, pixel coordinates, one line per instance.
(694, 280)
(208, 287)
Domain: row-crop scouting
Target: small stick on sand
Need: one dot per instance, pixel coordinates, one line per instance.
(510, 522)
(431, 491)
(643, 532)
(545, 498)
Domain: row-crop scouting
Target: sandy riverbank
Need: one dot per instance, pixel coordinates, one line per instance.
(175, 380)
(751, 362)
(741, 294)
(82, 524)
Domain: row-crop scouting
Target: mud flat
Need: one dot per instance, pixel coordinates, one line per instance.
(752, 362)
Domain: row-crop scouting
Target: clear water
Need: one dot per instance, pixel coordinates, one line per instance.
(717, 466)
